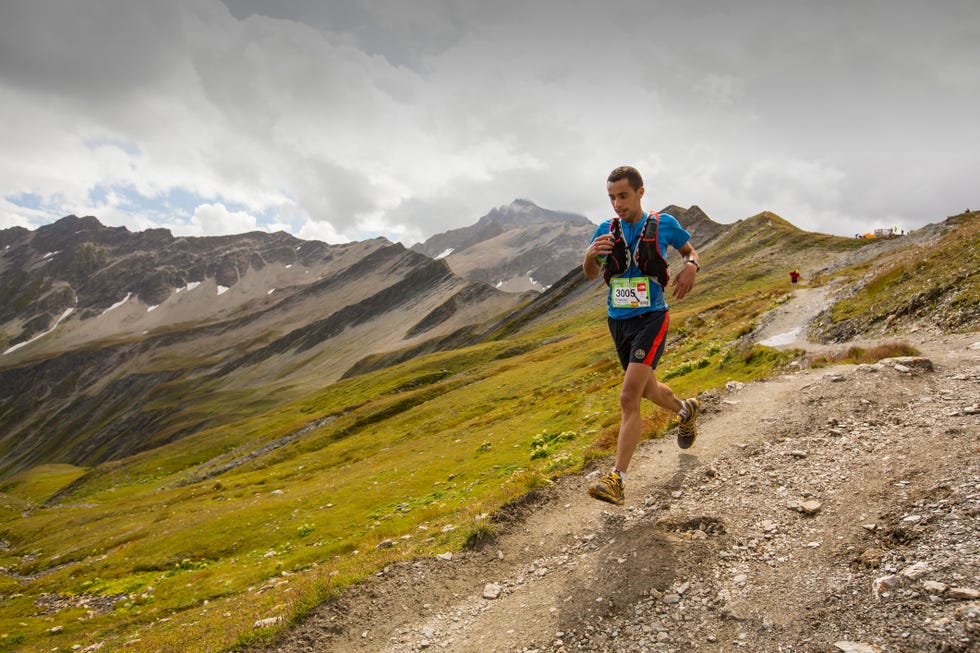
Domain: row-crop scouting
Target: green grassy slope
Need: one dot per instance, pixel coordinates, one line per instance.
(281, 504)
(937, 281)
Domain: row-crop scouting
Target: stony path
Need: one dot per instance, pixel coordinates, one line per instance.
(784, 326)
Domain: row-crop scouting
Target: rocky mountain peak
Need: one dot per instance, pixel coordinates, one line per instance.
(72, 230)
(522, 212)
(80, 267)
(702, 228)
(515, 247)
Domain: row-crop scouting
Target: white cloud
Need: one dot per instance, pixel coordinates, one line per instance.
(312, 230)
(12, 215)
(789, 181)
(215, 220)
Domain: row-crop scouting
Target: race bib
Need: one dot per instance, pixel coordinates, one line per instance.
(631, 292)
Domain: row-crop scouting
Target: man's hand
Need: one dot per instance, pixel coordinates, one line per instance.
(601, 246)
(684, 280)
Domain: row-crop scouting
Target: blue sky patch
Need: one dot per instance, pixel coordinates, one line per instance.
(27, 200)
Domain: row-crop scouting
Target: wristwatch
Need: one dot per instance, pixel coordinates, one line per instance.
(695, 262)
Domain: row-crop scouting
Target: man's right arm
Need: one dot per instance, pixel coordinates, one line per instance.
(601, 246)
(591, 267)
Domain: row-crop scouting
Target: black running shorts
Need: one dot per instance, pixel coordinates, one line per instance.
(640, 339)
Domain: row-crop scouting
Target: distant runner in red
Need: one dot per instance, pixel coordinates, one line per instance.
(630, 252)
(794, 276)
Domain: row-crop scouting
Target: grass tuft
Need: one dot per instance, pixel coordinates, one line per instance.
(860, 356)
(480, 535)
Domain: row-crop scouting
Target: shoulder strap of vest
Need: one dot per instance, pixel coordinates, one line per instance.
(615, 228)
(656, 222)
(647, 253)
(647, 235)
(618, 260)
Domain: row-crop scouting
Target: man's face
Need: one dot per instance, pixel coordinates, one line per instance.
(625, 201)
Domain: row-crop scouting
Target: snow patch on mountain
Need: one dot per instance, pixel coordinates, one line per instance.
(191, 285)
(68, 311)
(118, 304)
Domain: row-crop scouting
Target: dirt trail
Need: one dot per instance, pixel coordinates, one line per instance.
(784, 326)
(771, 534)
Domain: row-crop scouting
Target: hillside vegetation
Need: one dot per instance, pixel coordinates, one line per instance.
(937, 279)
(279, 505)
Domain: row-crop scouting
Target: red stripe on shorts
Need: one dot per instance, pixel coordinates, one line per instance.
(657, 341)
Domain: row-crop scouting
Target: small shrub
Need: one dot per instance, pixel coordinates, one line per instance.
(560, 462)
(188, 565)
(604, 443)
(747, 356)
(686, 368)
(481, 534)
(530, 479)
(310, 593)
(542, 443)
(861, 356)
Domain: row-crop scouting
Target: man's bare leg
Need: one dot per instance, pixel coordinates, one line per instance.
(689, 409)
(639, 382)
(660, 394)
(636, 382)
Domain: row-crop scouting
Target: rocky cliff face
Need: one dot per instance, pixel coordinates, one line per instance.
(702, 228)
(79, 265)
(515, 247)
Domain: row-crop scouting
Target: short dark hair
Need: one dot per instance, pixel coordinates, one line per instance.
(630, 174)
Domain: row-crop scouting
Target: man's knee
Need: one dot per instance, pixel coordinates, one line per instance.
(629, 399)
(635, 384)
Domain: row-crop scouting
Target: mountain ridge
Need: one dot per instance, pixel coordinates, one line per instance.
(541, 245)
(330, 306)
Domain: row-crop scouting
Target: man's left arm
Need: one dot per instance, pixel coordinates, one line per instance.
(684, 280)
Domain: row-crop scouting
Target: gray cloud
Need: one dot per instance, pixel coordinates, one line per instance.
(405, 33)
(350, 119)
(88, 51)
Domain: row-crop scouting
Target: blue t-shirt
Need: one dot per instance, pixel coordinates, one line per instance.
(669, 232)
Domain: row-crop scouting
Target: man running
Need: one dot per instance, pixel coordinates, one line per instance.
(637, 312)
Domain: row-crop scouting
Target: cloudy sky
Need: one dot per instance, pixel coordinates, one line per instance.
(347, 119)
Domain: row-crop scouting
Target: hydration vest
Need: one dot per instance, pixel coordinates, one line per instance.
(646, 254)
